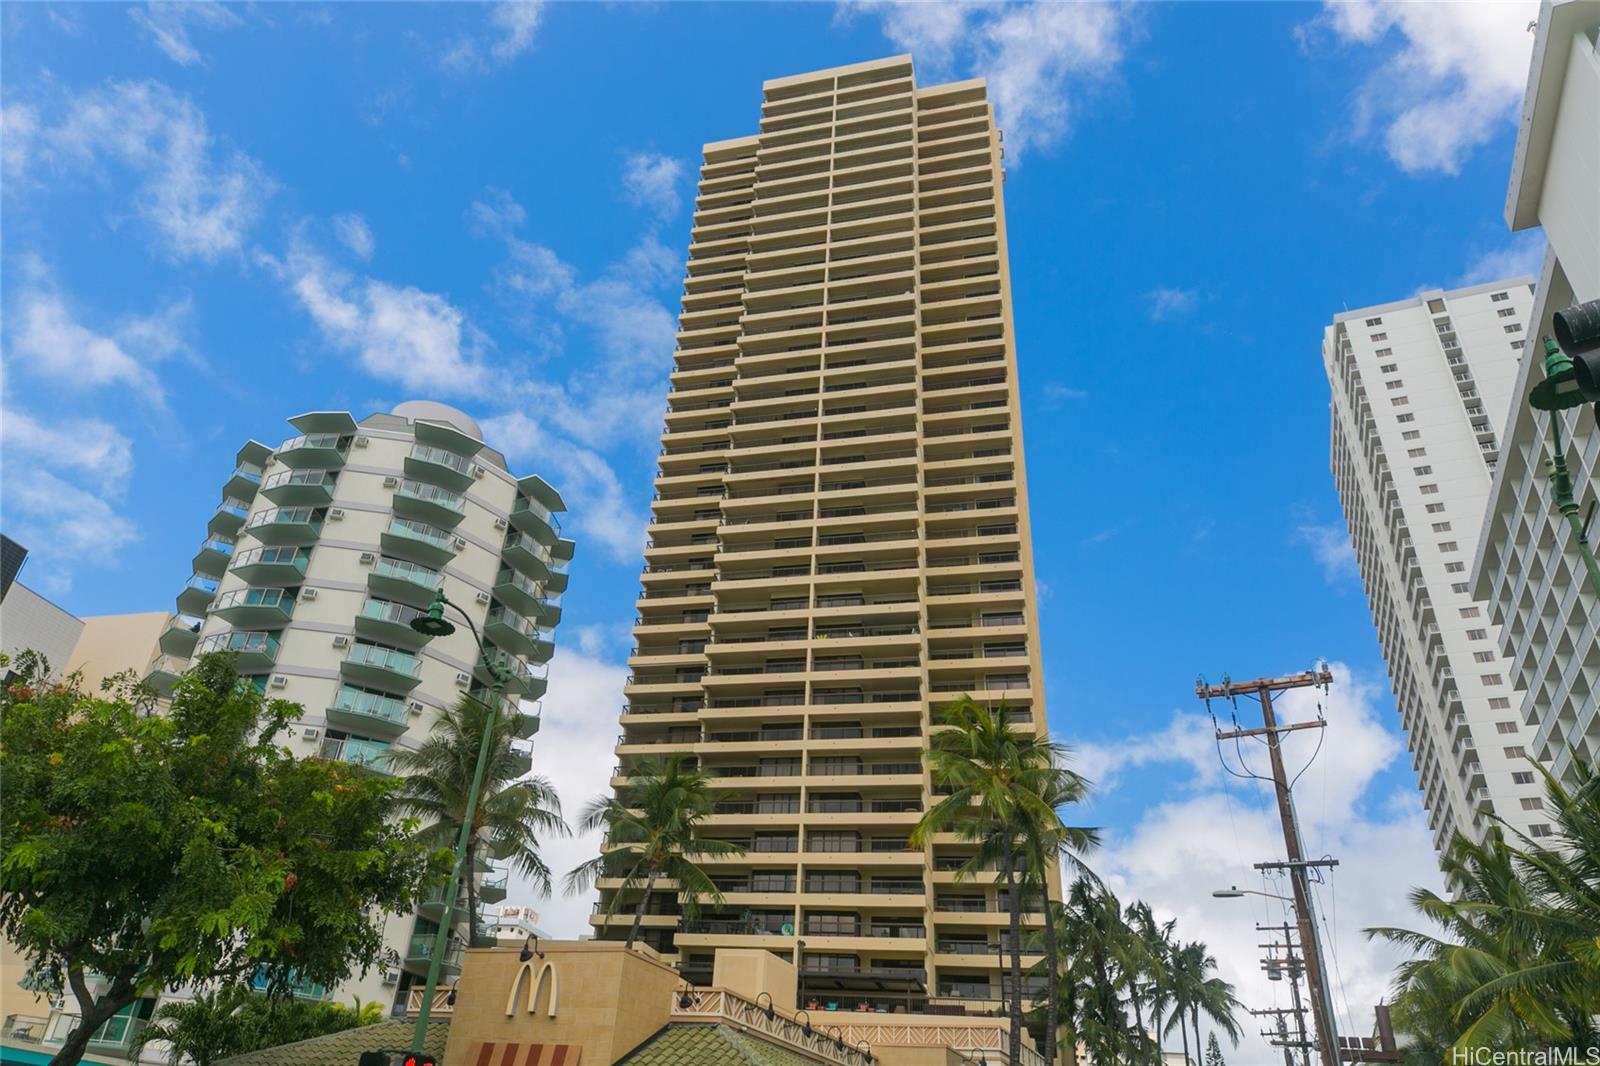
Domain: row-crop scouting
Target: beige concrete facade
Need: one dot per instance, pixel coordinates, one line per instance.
(113, 643)
(839, 541)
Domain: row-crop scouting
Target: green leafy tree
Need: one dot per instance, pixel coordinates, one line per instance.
(1001, 784)
(1214, 1051)
(513, 811)
(235, 1021)
(653, 832)
(186, 848)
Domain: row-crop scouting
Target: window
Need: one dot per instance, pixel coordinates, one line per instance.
(1506, 312)
(1505, 727)
(1470, 612)
(1532, 803)
(1500, 297)
(1435, 508)
(1522, 777)
(1436, 306)
(1448, 546)
(1459, 589)
(1376, 337)
(1406, 418)
(1416, 453)
(1515, 752)
(772, 881)
(1388, 368)
(1488, 657)
(1441, 527)
(1395, 384)
(1381, 352)
(1398, 401)
(1515, 327)
(1539, 830)
(1454, 568)
(1374, 321)
(1411, 434)
(1499, 703)
(1422, 471)
(1430, 490)
(1477, 634)
(1517, 345)
(833, 882)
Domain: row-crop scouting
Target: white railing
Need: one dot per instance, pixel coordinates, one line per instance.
(441, 1001)
(716, 1004)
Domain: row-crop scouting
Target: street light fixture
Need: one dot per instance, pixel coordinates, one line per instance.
(434, 624)
(1235, 892)
(1571, 379)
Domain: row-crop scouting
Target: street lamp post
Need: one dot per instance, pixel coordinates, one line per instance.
(1570, 383)
(433, 624)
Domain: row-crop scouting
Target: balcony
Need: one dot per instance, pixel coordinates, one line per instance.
(409, 538)
(198, 591)
(213, 556)
(429, 503)
(163, 673)
(254, 608)
(325, 450)
(519, 592)
(391, 668)
(535, 519)
(389, 623)
(228, 517)
(439, 466)
(517, 634)
(300, 487)
(179, 638)
(282, 526)
(272, 566)
(256, 652)
(522, 680)
(244, 480)
(408, 582)
(369, 712)
(492, 889)
(355, 751)
(527, 555)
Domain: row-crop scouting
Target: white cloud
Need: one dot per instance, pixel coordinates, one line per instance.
(64, 525)
(1521, 256)
(47, 341)
(651, 180)
(354, 233)
(1451, 77)
(1170, 303)
(1039, 58)
(511, 30)
(1188, 845)
(574, 749)
(1330, 546)
(201, 200)
(414, 338)
(168, 22)
(92, 447)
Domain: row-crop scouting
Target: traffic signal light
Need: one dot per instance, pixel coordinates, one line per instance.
(418, 1058)
(373, 1058)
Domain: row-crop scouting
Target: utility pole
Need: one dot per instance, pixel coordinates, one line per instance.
(1316, 974)
(1295, 966)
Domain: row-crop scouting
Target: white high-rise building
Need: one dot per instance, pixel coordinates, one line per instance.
(1528, 571)
(1420, 390)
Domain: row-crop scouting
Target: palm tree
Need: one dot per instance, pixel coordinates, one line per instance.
(512, 812)
(653, 831)
(1154, 949)
(203, 1029)
(1195, 993)
(1000, 781)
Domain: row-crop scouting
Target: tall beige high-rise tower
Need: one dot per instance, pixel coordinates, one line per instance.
(839, 542)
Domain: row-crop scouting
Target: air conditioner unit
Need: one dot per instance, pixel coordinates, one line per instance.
(336, 513)
(279, 681)
(391, 976)
(390, 482)
(341, 641)
(499, 523)
(459, 545)
(463, 679)
(362, 442)
(477, 471)
(308, 594)
(368, 557)
(483, 597)
(310, 732)
(416, 706)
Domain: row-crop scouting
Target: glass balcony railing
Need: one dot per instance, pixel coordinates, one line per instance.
(300, 486)
(255, 650)
(429, 502)
(373, 705)
(357, 751)
(391, 660)
(431, 535)
(284, 565)
(316, 442)
(286, 525)
(412, 573)
(196, 595)
(254, 606)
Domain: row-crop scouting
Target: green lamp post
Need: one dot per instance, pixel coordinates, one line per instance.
(434, 624)
(1565, 386)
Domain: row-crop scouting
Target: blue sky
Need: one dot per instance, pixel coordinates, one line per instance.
(217, 217)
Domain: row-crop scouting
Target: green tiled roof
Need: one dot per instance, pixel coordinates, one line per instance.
(711, 1045)
(343, 1049)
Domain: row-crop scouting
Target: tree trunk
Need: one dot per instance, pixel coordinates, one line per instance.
(1138, 1019)
(1155, 1019)
(94, 1012)
(1052, 997)
(1194, 1012)
(1183, 1027)
(1014, 906)
(1070, 1042)
(644, 901)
